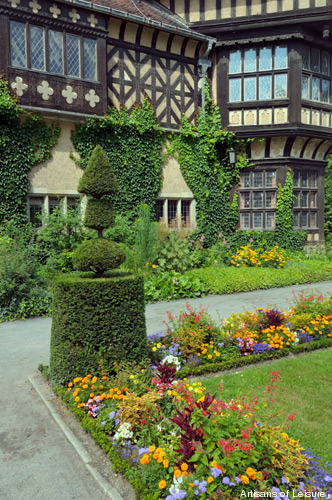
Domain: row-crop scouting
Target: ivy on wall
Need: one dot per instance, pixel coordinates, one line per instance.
(133, 144)
(328, 201)
(25, 141)
(202, 152)
(284, 213)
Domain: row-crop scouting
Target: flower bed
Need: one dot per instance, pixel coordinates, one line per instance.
(173, 440)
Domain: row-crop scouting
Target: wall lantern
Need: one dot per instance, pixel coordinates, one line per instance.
(231, 155)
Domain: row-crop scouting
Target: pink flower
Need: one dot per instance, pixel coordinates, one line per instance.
(225, 242)
(251, 240)
(228, 246)
(220, 235)
(202, 238)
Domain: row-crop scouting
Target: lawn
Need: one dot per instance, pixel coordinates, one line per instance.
(219, 280)
(305, 387)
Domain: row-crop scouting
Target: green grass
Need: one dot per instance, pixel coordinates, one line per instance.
(305, 387)
(221, 280)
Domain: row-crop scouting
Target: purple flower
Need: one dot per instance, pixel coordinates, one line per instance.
(215, 472)
(226, 480)
(237, 480)
(103, 423)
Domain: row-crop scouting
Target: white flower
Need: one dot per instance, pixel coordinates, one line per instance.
(123, 432)
(176, 486)
(172, 360)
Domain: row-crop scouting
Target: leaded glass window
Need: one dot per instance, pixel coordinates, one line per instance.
(269, 82)
(55, 51)
(249, 60)
(265, 59)
(280, 85)
(257, 220)
(37, 48)
(265, 87)
(270, 220)
(43, 49)
(89, 59)
(235, 89)
(305, 200)
(235, 62)
(305, 87)
(280, 58)
(18, 44)
(73, 55)
(250, 88)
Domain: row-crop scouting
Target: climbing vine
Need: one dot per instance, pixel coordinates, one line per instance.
(25, 141)
(328, 201)
(202, 152)
(133, 144)
(284, 213)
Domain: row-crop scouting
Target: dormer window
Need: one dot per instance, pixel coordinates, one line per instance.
(52, 51)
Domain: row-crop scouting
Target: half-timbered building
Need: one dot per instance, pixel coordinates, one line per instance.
(269, 62)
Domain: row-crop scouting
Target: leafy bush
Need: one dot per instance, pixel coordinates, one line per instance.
(171, 285)
(146, 239)
(174, 253)
(23, 293)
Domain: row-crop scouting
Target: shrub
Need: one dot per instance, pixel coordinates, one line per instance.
(97, 255)
(96, 322)
(171, 286)
(147, 238)
(98, 181)
(174, 253)
(22, 291)
(190, 339)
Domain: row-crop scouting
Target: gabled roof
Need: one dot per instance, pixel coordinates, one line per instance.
(150, 10)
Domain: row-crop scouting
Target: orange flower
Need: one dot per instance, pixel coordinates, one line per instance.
(177, 473)
(251, 473)
(245, 479)
(184, 467)
(162, 484)
(77, 399)
(166, 463)
(210, 479)
(145, 459)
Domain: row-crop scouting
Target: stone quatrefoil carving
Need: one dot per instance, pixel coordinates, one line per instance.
(14, 3)
(69, 94)
(92, 20)
(34, 5)
(45, 90)
(92, 98)
(19, 86)
(55, 11)
(74, 15)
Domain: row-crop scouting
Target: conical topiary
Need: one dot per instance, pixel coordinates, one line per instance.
(98, 183)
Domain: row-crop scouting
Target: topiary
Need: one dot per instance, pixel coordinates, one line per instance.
(98, 255)
(98, 183)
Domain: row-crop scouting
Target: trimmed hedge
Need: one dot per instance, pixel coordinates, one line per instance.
(98, 213)
(97, 255)
(95, 323)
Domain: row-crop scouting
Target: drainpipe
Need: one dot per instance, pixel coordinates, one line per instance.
(205, 64)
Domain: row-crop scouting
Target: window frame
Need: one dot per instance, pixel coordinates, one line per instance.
(242, 76)
(64, 43)
(305, 198)
(311, 75)
(266, 185)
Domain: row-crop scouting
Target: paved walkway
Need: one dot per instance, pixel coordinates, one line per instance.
(38, 461)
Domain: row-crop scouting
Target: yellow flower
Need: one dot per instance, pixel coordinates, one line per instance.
(177, 473)
(244, 479)
(77, 399)
(166, 463)
(162, 484)
(184, 467)
(210, 479)
(152, 449)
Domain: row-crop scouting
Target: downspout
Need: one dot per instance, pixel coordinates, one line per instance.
(205, 64)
